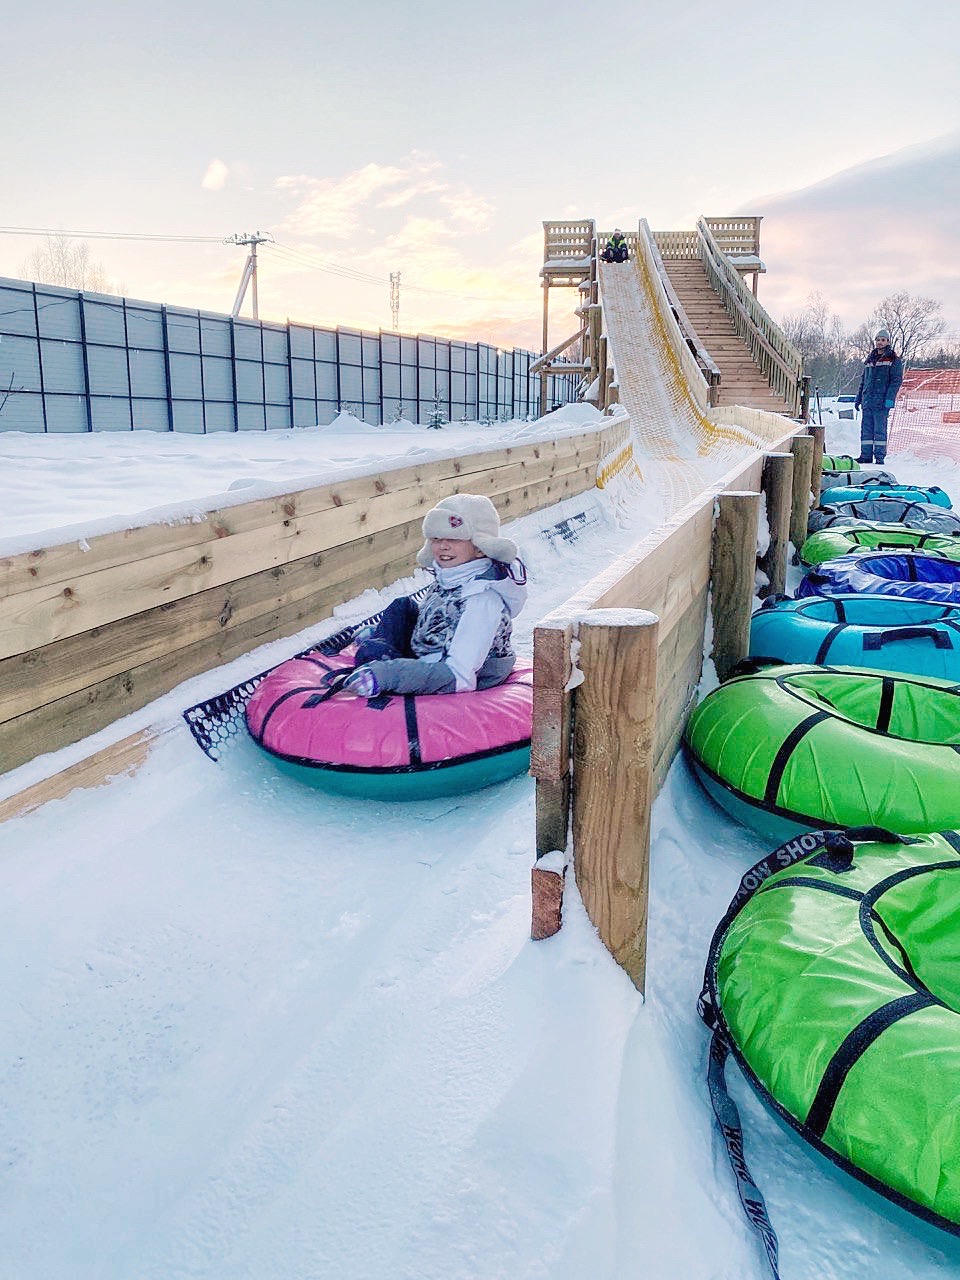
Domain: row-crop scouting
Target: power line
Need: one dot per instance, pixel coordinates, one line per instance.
(106, 235)
(298, 257)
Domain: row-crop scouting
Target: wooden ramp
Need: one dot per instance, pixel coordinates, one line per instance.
(742, 381)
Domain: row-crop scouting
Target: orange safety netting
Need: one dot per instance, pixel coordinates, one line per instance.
(926, 418)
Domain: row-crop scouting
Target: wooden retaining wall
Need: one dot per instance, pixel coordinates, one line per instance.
(91, 633)
(661, 589)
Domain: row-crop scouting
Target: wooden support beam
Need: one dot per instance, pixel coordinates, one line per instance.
(733, 574)
(594, 320)
(777, 488)
(121, 757)
(802, 449)
(613, 777)
(816, 463)
(602, 374)
(550, 739)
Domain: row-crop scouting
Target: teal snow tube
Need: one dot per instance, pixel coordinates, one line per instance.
(911, 492)
(881, 633)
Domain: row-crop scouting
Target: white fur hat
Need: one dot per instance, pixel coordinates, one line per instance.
(466, 517)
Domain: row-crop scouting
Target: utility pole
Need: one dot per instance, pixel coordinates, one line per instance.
(395, 300)
(249, 268)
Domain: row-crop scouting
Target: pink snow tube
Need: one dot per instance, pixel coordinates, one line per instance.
(395, 746)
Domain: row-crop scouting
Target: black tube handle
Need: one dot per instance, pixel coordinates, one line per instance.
(874, 640)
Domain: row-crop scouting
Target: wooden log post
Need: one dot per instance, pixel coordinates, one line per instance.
(802, 469)
(602, 374)
(550, 766)
(816, 463)
(594, 322)
(777, 489)
(613, 789)
(733, 573)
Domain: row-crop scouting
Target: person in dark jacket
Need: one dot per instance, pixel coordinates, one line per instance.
(879, 384)
(616, 250)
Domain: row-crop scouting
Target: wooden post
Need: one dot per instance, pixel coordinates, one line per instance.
(594, 320)
(732, 577)
(550, 765)
(550, 738)
(613, 777)
(777, 488)
(602, 374)
(802, 466)
(816, 464)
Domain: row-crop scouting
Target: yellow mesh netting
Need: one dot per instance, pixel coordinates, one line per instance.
(678, 447)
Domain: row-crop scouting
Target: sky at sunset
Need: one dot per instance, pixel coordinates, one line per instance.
(434, 139)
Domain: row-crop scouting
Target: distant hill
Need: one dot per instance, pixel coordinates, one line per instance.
(887, 225)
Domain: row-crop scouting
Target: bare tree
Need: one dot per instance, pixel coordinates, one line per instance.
(63, 261)
(913, 324)
(823, 342)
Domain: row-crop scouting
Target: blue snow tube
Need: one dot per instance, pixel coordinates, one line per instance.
(911, 492)
(911, 574)
(883, 633)
(914, 515)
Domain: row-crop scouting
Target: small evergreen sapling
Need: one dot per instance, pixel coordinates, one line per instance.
(437, 418)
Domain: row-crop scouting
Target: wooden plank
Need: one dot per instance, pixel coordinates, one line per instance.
(78, 703)
(612, 792)
(676, 700)
(31, 619)
(29, 570)
(119, 758)
(68, 719)
(43, 675)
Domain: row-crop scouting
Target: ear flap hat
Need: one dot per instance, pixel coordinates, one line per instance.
(466, 517)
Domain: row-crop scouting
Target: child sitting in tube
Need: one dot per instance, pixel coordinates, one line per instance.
(458, 638)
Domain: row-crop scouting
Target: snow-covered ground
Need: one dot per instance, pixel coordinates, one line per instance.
(253, 1033)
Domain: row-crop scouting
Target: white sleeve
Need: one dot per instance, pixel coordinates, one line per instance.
(473, 637)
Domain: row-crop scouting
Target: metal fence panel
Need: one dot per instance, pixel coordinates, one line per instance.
(16, 311)
(108, 371)
(79, 362)
(62, 368)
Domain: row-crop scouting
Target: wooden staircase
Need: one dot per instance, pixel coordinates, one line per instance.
(742, 381)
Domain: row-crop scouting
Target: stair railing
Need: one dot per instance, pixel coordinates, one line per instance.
(777, 357)
(707, 365)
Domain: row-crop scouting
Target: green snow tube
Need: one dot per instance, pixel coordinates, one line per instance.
(838, 462)
(840, 541)
(796, 747)
(834, 980)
